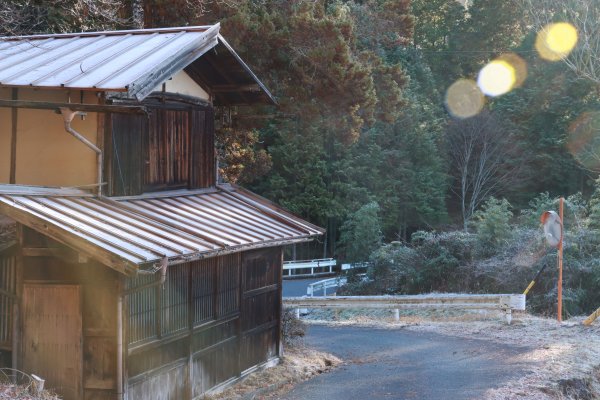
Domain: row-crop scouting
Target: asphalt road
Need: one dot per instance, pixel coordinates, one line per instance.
(297, 287)
(400, 364)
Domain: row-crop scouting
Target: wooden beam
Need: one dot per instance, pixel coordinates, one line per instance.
(235, 88)
(64, 254)
(43, 105)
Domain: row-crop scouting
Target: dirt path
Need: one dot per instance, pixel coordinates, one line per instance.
(402, 364)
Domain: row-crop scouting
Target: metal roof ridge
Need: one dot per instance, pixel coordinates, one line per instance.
(195, 28)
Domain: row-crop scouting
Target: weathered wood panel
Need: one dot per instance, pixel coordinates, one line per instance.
(52, 337)
(8, 291)
(167, 149)
(171, 148)
(203, 290)
(219, 316)
(175, 300)
(228, 297)
(169, 385)
(261, 306)
(203, 167)
(124, 161)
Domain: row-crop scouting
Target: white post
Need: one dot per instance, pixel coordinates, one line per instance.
(396, 314)
(297, 313)
(508, 314)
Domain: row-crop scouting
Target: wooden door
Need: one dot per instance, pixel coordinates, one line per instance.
(52, 336)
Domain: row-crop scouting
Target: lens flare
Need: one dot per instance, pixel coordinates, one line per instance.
(519, 66)
(497, 78)
(464, 99)
(584, 140)
(556, 41)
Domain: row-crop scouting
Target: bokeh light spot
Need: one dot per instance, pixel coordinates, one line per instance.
(519, 67)
(496, 78)
(464, 99)
(584, 140)
(556, 41)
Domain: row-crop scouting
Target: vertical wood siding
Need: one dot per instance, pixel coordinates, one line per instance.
(175, 300)
(204, 306)
(261, 306)
(8, 289)
(203, 289)
(123, 160)
(52, 336)
(171, 148)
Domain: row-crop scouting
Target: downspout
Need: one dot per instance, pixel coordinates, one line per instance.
(68, 116)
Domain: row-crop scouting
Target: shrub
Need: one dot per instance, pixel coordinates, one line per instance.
(492, 224)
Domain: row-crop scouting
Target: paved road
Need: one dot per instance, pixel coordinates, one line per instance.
(399, 364)
(297, 287)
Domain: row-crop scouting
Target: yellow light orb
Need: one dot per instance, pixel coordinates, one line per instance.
(556, 41)
(464, 99)
(496, 78)
(519, 66)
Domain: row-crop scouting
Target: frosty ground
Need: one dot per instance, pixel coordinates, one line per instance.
(563, 361)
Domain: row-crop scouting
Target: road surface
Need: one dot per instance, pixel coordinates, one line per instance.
(401, 364)
(297, 287)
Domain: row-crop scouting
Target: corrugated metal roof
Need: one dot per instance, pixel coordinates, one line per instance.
(126, 233)
(134, 61)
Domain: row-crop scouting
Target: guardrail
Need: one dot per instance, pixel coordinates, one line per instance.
(347, 267)
(321, 266)
(504, 302)
(324, 285)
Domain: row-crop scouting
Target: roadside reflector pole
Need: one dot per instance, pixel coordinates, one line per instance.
(592, 317)
(560, 258)
(534, 280)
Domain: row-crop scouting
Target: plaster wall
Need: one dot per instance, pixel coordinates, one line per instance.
(46, 154)
(182, 83)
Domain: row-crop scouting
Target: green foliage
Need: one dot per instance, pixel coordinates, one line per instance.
(361, 234)
(492, 224)
(393, 269)
(594, 217)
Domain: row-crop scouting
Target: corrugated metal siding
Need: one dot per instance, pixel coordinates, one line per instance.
(181, 226)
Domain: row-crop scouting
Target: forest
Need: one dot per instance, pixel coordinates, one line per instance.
(369, 141)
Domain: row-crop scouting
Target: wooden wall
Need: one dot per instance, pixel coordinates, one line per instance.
(171, 148)
(98, 294)
(8, 292)
(212, 320)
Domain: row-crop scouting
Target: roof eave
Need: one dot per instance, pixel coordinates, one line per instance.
(248, 70)
(143, 86)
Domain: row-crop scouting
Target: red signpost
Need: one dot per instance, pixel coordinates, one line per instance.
(553, 230)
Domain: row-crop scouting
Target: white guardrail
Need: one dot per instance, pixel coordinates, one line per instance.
(504, 302)
(308, 267)
(325, 284)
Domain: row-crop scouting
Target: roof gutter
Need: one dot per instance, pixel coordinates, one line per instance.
(68, 116)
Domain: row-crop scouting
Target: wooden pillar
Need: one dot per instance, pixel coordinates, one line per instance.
(13, 140)
(17, 323)
(279, 296)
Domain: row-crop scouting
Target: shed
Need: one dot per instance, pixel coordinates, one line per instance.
(135, 273)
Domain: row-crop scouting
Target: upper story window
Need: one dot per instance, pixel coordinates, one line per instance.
(172, 148)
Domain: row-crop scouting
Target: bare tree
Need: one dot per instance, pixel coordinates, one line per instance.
(482, 155)
(22, 17)
(584, 15)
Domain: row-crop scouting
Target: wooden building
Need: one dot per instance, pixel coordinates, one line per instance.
(135, 274)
